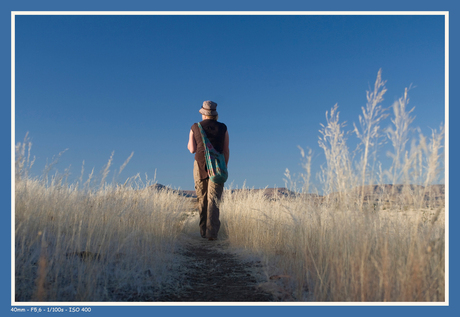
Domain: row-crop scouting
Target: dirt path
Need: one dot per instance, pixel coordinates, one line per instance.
(211, 273)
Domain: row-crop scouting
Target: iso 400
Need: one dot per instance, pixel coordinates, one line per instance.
(78, 309)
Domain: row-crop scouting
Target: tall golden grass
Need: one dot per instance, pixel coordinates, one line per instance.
(327, 252)
(94, 243)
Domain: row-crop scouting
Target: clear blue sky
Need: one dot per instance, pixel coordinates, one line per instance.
(97, 84)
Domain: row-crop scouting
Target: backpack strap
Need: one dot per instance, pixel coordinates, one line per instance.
(206, 143)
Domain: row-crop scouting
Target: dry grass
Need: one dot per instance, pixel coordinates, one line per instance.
(328, 254)
(109, 243)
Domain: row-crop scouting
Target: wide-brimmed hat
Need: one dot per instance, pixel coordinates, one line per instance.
(209, 108)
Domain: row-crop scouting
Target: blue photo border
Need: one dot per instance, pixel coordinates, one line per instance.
(7, 6)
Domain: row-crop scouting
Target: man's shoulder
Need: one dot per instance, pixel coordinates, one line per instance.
(223, 125)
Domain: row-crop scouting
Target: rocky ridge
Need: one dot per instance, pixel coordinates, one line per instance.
(371, 192)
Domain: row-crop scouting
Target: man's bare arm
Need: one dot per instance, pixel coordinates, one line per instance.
(191, 143)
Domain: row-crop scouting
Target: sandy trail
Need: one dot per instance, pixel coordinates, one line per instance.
(209, 272)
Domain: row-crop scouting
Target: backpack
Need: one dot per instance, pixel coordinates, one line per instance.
(215, 161)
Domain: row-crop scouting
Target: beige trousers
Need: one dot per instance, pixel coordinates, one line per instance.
(209, 195)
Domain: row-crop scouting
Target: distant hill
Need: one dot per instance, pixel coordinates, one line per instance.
(371, 192)
(268, 192)
(432, 190)
(386, 193)
(186, 193)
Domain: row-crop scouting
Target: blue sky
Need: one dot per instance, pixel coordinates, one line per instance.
(98, 84)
